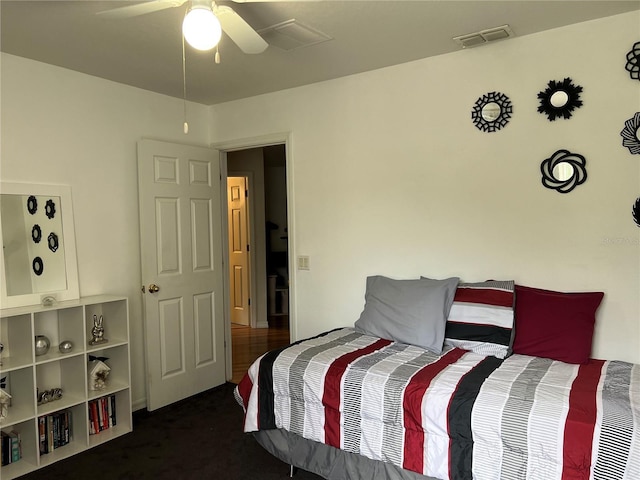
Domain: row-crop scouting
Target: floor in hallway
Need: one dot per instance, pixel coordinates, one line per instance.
(249, 343)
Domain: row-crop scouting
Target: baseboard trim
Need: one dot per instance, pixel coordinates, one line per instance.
(262, 324)
(139, 404)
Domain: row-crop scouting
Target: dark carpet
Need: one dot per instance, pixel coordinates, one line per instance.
(198, 438)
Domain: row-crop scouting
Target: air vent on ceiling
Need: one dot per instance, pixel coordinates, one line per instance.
(292, 34)
(484, 36)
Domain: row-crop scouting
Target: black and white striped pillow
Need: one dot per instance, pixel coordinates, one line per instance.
(482, 318)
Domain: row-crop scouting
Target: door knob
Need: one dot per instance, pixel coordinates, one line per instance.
(153, 288)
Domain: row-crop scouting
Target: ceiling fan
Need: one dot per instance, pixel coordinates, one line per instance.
(203, 23)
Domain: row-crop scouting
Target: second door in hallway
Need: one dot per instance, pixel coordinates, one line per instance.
(239, 268)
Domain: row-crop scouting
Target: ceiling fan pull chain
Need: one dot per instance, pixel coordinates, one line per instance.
(185, 126)
(217, 57)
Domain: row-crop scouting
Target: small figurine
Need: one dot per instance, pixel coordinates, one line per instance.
(66, 346)
(98, 373)
(97, 331)
(48, 395)
(42, 344)
(5, 400)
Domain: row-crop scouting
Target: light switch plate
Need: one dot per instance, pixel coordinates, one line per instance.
(303, 262)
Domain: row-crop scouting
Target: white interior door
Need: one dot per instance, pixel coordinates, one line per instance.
(239, 268)
(181, 251)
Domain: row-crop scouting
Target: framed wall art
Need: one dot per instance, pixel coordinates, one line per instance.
(491, 112)
(560, 99)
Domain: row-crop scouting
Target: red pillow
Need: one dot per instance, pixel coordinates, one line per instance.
(555, 325)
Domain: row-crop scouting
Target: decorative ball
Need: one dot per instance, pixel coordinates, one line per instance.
(65, 347)
(42, 344)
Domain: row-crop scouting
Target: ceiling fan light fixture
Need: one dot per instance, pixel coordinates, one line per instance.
(201, 28)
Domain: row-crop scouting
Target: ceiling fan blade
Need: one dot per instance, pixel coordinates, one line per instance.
(240, 31)
(140, 8)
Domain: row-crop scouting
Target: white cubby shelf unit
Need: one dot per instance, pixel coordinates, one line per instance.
(26, 373)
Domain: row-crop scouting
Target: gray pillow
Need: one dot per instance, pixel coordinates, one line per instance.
(408, 311)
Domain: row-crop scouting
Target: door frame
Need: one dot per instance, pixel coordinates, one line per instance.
(245, 144)
(253, 320)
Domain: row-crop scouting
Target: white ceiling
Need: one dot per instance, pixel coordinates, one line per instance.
(146, 51)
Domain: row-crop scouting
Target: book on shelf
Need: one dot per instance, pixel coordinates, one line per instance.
(102, 414)
(93, 418)
(16, 446)
(42, 434)
(5, 448)
(10, 447)
(111, 409)
(54, 431)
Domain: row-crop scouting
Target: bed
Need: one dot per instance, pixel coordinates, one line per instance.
(382, 399)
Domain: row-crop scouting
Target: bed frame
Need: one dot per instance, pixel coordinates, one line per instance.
(328, 462)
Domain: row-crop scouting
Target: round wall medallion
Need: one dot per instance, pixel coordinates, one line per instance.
(38, 266)
(36, 233)
(633, 62)
(32, 204)
(52, 239)
(631, 134)
(564, 171)
(560, 99)
(50, 209)
(491, 112)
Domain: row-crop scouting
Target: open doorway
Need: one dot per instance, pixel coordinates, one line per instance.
(259, 287)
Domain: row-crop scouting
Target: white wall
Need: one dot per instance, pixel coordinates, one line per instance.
(62, 127)
(391, 177)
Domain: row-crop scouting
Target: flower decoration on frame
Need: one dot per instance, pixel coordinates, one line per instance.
(491, 112)
(52, 241)
(38, 266)
(631, 134)
(32, 204)
(50, 209)
(633, 62)
(559, 99)
(36, 233)
(564, 171)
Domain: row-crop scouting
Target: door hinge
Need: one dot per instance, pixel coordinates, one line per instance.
(249, 301)
(246, 193)
(247, 247)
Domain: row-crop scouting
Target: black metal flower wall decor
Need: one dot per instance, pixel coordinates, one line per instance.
(631, 134)
(50, 209)
(491, 112)
(36, 233)
(564, 171)
(52, 240)
(633, 62)
(38, 266)
(635, 211)
(559, 99)
(32, 204)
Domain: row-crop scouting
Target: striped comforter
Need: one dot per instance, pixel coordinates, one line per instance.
(458, 415)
